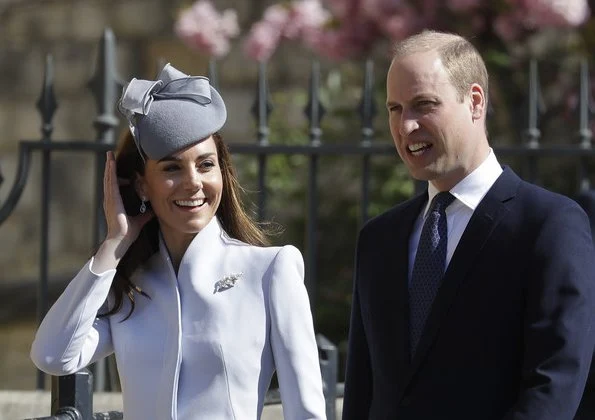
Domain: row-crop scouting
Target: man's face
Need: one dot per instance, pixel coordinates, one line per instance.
(435, 130)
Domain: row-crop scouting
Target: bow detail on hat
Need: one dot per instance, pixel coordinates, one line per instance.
(138, 95)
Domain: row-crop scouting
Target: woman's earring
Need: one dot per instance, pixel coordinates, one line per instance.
(143, 205)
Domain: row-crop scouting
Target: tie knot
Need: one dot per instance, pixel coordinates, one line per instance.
(441, 201)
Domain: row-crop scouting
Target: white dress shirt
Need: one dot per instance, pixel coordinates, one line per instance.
(468, 193)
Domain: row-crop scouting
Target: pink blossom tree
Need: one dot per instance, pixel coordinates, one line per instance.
(343, 29)
(202, 28)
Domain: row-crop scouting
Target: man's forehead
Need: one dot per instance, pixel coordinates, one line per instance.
(422, 65)
(408, 79)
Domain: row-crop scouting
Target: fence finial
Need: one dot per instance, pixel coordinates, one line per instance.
(262, 107)
(585, 106)
(213, 78)
(106, 87)
(314, 109)
(535, 107)
(367, 106)
(47, 104)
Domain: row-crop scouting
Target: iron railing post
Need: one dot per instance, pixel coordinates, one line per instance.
(47, 106)
(261, 109)
(314, 111)
(73, 391)
(106, 88)
(532, 134)
(585, 133)
(367, 110)
(329, 366)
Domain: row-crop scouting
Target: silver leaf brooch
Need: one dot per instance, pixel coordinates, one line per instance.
(227, 282)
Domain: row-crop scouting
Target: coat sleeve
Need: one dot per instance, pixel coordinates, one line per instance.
(292, 337)
(559, 317)
(71, 336)
(358, 374)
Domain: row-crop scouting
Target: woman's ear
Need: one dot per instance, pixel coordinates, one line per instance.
(140, 187)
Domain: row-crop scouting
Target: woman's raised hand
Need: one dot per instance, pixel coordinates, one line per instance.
(120, 226)
(122, 229)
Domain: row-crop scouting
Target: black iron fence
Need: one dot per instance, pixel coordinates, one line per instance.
(72, 395)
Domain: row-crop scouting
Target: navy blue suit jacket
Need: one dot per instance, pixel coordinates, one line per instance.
(510, 334)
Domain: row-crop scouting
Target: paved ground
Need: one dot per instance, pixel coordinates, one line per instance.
(17, 405)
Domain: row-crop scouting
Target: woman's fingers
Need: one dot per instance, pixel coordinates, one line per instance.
(119, 224)
(112, 204)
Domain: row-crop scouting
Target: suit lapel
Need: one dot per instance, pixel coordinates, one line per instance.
(404, 223)
(484, 220)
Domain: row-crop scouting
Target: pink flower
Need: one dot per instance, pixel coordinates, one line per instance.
(351, 39)
(305, 15)
(541, 13)
(262, 41)
(276, 15)
(295, 20)
(204, 29)
(400, 24)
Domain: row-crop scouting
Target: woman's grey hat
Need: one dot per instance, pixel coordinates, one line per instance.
(172, 112)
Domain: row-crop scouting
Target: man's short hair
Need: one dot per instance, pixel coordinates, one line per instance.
(460, 58)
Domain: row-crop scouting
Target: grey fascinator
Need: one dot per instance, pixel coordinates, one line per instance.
(172, 112)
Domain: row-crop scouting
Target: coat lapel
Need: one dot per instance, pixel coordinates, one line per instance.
(485, 218)
(397, 269)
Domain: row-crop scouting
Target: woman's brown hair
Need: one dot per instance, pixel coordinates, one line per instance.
(231, 213)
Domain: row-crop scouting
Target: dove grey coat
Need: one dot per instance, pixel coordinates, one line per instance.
(206, 343)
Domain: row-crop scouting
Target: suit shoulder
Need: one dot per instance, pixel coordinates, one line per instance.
(546, 201)
(537, 207)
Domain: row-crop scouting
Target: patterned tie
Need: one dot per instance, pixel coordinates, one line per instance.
(428, 268)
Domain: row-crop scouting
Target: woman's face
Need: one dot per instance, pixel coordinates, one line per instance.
(184, 189)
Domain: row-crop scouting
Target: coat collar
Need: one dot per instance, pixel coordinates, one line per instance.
(207, 238)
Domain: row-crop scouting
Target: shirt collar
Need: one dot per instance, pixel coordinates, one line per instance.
(471, 189)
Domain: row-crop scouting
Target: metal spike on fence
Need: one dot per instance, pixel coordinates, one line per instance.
(314, 110)
(535, 107)
(367, 111)
(213, 79)
(367, 106)
(585, 103)
(106, 87)
(262, 107)
(47, 104)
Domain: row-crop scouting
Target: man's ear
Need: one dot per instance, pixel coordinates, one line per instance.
(478, 102)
